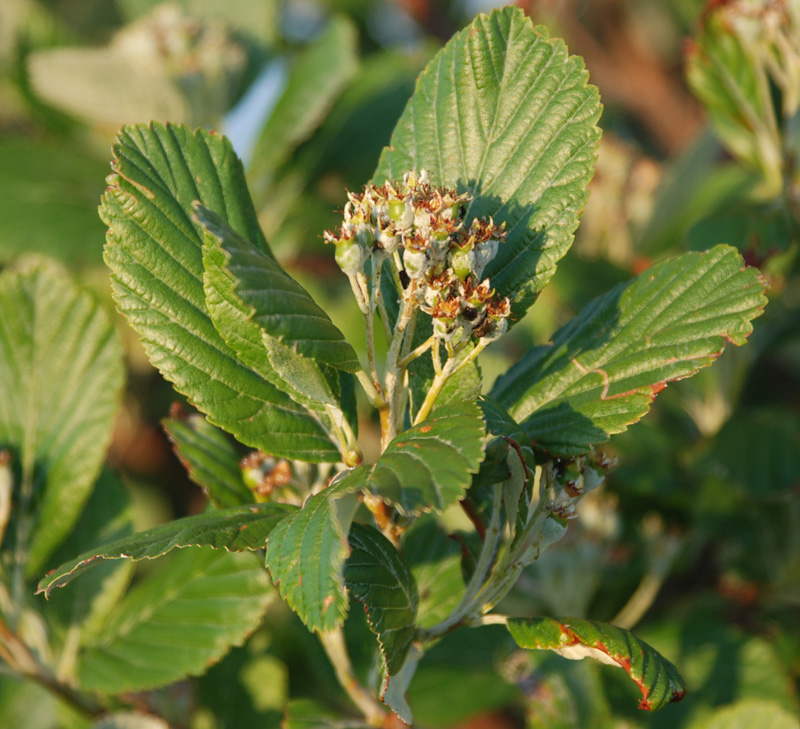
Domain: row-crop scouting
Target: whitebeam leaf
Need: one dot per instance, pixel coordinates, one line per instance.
(177, 621)
(154, 251)
(572, 638)
(307, 551)
(606, 366)
(210, 459)
(430, 466)
(504, 112)
(61, 375)
(379, 578)
(276, 302)
(242, 528)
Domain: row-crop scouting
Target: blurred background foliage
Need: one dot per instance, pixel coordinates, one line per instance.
(696, 538)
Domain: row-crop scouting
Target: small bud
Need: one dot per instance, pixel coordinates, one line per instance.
(463, 263)
(401, 214)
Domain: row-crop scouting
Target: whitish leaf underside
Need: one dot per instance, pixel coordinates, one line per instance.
(655, 676)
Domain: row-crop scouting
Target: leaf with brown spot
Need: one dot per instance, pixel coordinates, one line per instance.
(306, 552)
(430, 466)
(606, 366)
(573, 638)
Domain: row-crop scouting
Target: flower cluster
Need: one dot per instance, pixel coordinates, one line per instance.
(439, 259)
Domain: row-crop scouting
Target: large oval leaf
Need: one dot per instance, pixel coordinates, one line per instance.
(238, 529)
(606, 366)
(505, 112)
(657, 678)
(430, 465)
(177, 621)
(61, 375)
(155, 253)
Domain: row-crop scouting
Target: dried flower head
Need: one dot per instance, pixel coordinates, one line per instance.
(421, 226)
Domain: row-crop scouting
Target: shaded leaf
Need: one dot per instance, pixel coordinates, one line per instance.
(61, 375)
(106, 517)
(606, 366)
(379, 578)
(504, 112)
(655, 676)
(774, 435)
(430, 465)
(395, 688)
(177, 622)
(458, 679)
(210, 459)
(435, 562)
(49, 200)
(499, 422)
(306, 553)
(155, 253)
(275, 301)
(235, 530)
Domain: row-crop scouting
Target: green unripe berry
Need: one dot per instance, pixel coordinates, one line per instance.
(463, 263)
(350, 256)
(396, 210)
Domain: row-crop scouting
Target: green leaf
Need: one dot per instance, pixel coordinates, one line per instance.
(235, 530)
(655, 676)
(77, 613)
(606, 366)
(317, 77)
(61, 375)
(435, 562)
(306, 553)
(430, 465)
(210, 458)
(378, 577)
(393, 692)
(504, 112)
(49, 199)
(276, 302)
(155, 254)
(234, 322)
(464, 385)
(499, 422)
(177, 621)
